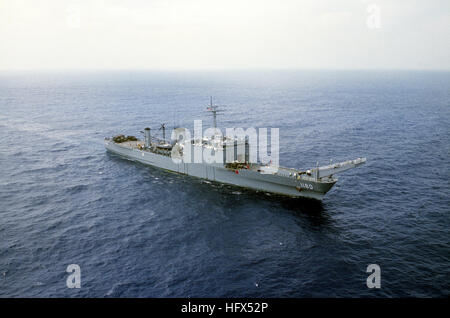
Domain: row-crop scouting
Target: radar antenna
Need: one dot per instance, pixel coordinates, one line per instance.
(214, 109)
(163, 127)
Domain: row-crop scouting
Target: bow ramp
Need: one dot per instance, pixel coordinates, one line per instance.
(327, 171)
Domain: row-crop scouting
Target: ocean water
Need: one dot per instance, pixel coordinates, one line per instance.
(136, 231)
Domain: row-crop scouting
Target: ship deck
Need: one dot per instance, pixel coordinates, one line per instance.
(132, 144)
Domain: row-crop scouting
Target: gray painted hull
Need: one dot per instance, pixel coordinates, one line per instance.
(245, 178)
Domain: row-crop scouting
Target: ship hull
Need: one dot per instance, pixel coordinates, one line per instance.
(217, 172)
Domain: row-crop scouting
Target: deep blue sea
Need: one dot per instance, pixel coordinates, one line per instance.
(136, 231)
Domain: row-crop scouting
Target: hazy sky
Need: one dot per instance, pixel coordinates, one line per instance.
(225, 34)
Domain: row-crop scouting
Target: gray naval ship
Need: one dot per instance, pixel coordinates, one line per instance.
(311, 183)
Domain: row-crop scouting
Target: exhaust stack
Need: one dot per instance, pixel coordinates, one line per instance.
(147, 137)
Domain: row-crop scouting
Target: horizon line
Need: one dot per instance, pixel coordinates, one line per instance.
(169, 70)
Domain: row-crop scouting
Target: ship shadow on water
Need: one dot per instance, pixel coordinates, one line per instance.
(234, 196)
(310, 210)
(305, 208)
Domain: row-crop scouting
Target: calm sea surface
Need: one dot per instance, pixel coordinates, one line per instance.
(136, 231)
